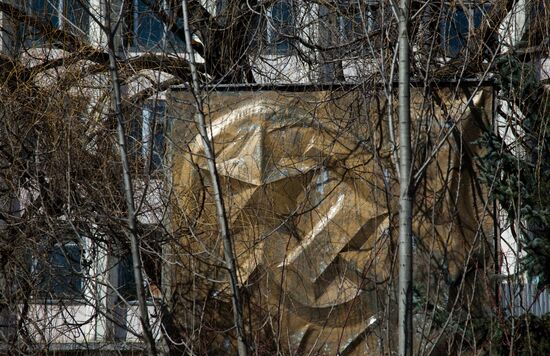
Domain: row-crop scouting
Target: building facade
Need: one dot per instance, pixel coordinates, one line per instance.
(79, 280)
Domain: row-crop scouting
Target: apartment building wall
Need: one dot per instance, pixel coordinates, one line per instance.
(290, 58)
(82, 308)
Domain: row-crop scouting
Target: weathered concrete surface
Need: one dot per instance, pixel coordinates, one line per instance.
(311, 194)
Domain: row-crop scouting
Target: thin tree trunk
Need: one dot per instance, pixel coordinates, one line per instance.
(221, 215)
(405, 194)
(128, 190)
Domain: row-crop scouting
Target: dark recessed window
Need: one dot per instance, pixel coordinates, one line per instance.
(75, 15)
(69, 14)
(153, 130)
(149, 33)
(280, 27)
(356, 20)
(148, 30)
(58, 271)
(152, 270)
(126, 281)
(146, 138)
(456, 27)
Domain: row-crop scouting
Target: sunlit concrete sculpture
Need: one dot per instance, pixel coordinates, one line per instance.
(311, 194)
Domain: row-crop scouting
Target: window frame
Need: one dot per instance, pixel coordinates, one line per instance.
(282, 31)
(472, 10)
(366, 11)
(123, 268)
(139, 12)
(149, 125)
(57, 11)
(47, 276)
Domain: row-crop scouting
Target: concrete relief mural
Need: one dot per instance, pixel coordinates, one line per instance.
(312, 197)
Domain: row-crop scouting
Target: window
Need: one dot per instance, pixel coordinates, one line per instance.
(153, 129)
(61, 13)
(148, 32)
(456, 27)
(152, 270)
(70, 15)
(126, 281)
(220, 6)
(57, 271)
(280, 27)
(357, 19)
(147, 134)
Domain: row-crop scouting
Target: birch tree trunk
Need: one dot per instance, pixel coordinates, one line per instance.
(405, 196)
(221, 215)
(128, 190)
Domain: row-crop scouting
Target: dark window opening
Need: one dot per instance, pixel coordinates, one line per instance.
(357, 20)
(126, 282)
(280, 27)
(456, 27)
(75, 14)
(147, 135)
(58, 271)
(71, 15)
(152, 268)
(149, 32)
(175, 42)
(44, 9)
(221, 5)
(153, 130)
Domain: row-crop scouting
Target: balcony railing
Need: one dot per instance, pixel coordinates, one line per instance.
(521, 298)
